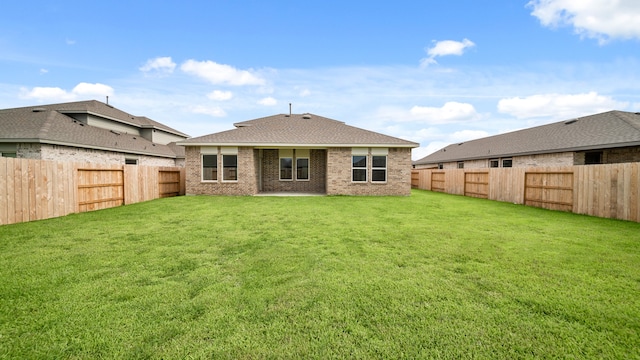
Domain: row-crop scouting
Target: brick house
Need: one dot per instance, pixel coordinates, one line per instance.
(88, 131)
(606, 138)
(297, 153)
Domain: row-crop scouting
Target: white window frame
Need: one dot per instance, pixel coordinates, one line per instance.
(360, 152)
(379, 152)
(285, 154)
(209, 150)
(303, 154)
(229, 151)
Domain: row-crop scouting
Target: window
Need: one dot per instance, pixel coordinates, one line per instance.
(229, 163)
(440, 166)
(286, 168)
(209, 167)
(378, 168)
(286, 164)
(302, 169)
(229, 167)
(460, 164)
(592, 158)
(209, 163)
(359, 168)
(507, 163)
(9, 154)
(494, 163)
(131, 161)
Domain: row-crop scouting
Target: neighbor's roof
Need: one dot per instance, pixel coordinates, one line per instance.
(600, 131)
(284, 130)
(50, 124)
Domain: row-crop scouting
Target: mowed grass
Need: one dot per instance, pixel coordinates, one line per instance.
(426, 276)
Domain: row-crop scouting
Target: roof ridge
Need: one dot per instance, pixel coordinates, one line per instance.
(46, 126)
(623, 118)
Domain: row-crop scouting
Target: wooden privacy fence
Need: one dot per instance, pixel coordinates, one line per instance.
(39, 189)
(609, 191)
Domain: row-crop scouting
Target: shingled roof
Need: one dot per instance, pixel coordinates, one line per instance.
(600, 131)
(308, 130)
(51, 124)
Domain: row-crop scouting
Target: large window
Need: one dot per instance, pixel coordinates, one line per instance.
(302, 168)
(507, 162)
(229, 167)
(379, 164)
(209, 167)
(286, 168)
(229, 163)
(359, 168)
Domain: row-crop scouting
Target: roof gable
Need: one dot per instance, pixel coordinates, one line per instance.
(297, 130)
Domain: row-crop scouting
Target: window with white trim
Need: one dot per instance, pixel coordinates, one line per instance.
(229, 163)
(359, 164)
(209, 167)
(286, 164)
(302, 164)
(379, 164)
(209, 161)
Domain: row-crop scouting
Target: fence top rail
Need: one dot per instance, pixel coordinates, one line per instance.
(89, 169)
(550, 172)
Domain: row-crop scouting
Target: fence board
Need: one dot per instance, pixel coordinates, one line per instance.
(476, 184)
(610, 191)
(4, 203)
(438, 181)
(39, 189)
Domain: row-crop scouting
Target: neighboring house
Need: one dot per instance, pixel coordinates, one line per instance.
(297, 153)
(88, 131)
(606, 138)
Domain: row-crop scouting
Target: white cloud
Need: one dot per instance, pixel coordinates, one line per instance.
(214, 111)
(598, 19)
(220, 73)
(43, 71)
(57, 94)
(47, 94)
(163, 65)
(445, 48)
(450, 112)
(558, 106)
(70, 42)
(97, 89)
(220, 95)
(268, 101)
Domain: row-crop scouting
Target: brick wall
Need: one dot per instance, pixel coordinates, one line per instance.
(398, 174)
(613, 156)
(271, 173)
(540, 160)
(74, 154)
(247, 183)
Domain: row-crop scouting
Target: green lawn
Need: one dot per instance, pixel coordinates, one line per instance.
(426, 276)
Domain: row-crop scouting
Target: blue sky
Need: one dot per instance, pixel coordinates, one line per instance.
(432, 72)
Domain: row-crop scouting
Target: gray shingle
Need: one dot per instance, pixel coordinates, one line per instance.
(49, 124)
(297, 130)
(600, 131)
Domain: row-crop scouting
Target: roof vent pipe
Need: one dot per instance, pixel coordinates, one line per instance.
(289, 109)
